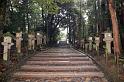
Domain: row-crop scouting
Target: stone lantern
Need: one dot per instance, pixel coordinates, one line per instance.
(7, 43)
(31, 41)
(18, 41)
(39, 38)
(90, 39)
(108, 39)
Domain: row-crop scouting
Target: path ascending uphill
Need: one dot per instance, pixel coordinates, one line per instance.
(59, 65)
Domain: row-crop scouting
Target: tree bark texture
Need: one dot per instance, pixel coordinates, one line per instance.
(115, 27)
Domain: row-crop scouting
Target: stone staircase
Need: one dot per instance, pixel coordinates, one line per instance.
(59, 65)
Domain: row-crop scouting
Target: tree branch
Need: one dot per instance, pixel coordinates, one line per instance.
(59, 21)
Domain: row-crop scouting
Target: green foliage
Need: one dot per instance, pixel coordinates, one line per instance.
(50, 6)
(8, 34)
(60, 36)
(40, 15)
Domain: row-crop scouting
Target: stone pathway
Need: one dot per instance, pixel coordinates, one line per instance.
(59, 65)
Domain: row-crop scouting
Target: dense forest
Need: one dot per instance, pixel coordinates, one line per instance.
(48, 16)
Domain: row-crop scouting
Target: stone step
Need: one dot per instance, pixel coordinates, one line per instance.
(59, 58)
(54, 51)
(59, 52)
(38, 68)
(56, 74)
(59, 70)
(59, 62)
(66, 79)
(67, 54)
(59, 67)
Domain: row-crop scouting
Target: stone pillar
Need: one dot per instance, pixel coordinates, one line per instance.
(45, 40)
(31, 41)
(18, 41)
(108, 39)
(86, 47)
(82, 44)
(97, 41)
(7, 45)
(90, 43)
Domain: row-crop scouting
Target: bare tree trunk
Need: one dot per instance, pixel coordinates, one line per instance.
(115, 28)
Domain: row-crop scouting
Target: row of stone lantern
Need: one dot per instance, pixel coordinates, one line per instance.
(7, 42)
(107, 38)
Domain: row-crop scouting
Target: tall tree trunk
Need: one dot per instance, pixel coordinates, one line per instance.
(25, 4)
(115, 28)
(121, 17)
(80, 25)
(3, 4)
(123, 20)
(123, 11)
